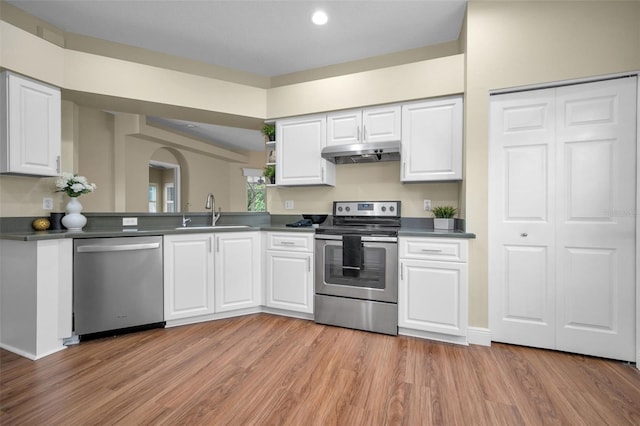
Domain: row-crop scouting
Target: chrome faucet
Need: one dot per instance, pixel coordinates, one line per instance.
(185, 220)
(211, 204)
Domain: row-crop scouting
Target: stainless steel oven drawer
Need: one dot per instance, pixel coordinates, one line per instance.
(368, 315)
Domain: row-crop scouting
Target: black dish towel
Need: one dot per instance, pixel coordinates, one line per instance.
(351, 255)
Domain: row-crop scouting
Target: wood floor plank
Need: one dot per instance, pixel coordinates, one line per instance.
(269, 370)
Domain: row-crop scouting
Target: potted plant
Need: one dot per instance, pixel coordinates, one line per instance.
(269, 130)
(270, 173)
(444, 217)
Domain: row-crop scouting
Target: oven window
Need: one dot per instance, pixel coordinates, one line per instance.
(371, 273)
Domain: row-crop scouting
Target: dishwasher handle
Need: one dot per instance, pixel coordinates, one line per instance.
(119, 247)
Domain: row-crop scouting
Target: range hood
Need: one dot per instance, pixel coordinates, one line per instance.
(362, 152)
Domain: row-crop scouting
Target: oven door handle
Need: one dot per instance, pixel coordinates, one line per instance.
(328, 237)
(355, 268)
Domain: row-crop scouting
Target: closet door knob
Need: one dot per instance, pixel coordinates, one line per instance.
(524, 234)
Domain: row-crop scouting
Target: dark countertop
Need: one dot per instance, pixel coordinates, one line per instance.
(427, 232)
(130, 232)
(109, 225)
(133, 232)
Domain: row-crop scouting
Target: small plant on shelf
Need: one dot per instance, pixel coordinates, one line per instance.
(444, 212)
(270, 174)
(269, 130)
(444, 217)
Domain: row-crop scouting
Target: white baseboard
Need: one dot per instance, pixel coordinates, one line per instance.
(479, 336)
(285, 313)
(29, 355)
(447, 338)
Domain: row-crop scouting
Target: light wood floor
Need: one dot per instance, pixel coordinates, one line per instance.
(270, 370)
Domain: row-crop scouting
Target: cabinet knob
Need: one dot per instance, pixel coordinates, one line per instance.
(524, 234)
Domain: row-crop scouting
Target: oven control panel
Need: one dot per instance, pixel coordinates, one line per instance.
(366, 208)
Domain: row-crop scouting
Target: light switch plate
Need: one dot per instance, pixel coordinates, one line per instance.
(427, 205)
(129, 221)
(47, 203)
(288, 204)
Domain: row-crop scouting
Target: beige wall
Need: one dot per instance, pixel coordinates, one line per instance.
(418, 80)
(373, 181)
(513, 44)
(201, 171)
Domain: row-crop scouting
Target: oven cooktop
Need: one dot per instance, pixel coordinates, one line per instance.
(364, 218)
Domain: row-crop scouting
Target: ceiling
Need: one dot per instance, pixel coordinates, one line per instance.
(263, 37)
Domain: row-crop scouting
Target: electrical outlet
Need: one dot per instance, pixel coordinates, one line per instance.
(288, 204)
(47, 203)
(129, 221)
(427, 205)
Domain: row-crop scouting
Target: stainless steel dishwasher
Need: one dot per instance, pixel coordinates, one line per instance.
(117, 283)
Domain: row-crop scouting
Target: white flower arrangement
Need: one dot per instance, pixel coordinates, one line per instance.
(74, 185)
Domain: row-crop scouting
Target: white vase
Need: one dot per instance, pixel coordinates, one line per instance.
(73, 220)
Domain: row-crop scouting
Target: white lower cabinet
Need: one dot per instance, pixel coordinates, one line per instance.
(289, 272)
(433, 299)
(237, 271)
(210, 273)
(188, 276)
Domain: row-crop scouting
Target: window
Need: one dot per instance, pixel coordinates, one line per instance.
(256, 194)
(169, 198)
(153, 198)
(256, 190)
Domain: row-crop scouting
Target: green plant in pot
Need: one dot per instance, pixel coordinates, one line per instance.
(270, 174)
(444, 217)
(269, 130)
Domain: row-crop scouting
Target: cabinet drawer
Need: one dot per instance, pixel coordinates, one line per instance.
(290, 241)
(443, 249)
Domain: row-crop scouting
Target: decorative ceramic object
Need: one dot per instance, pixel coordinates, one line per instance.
(73, 220)
(443, 224)
(41, 224)
(56, 221)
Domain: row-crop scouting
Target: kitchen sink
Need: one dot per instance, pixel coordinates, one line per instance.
(214, 227)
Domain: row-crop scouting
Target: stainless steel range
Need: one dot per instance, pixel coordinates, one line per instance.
(356, 278)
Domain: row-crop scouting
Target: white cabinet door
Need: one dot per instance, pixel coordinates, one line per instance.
(289, 277)
(432, 140)
(300, 142)
(432, 296)
(379, 124)
(382, 124)
(237, 277)
(344, 127)
(30, 123)
(188, 276)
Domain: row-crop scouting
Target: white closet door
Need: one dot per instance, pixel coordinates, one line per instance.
(596, 222)
(562, 197)
(521, 250)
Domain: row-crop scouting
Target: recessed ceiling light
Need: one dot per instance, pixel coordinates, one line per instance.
(319, 17)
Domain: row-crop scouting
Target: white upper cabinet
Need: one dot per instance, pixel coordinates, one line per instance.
(298, 150)
(30, 126)
(432, 140)
(379, 124)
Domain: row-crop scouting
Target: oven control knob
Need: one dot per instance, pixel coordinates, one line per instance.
(347, 208)
(339, 209)
(384, 209)
(391, 208)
